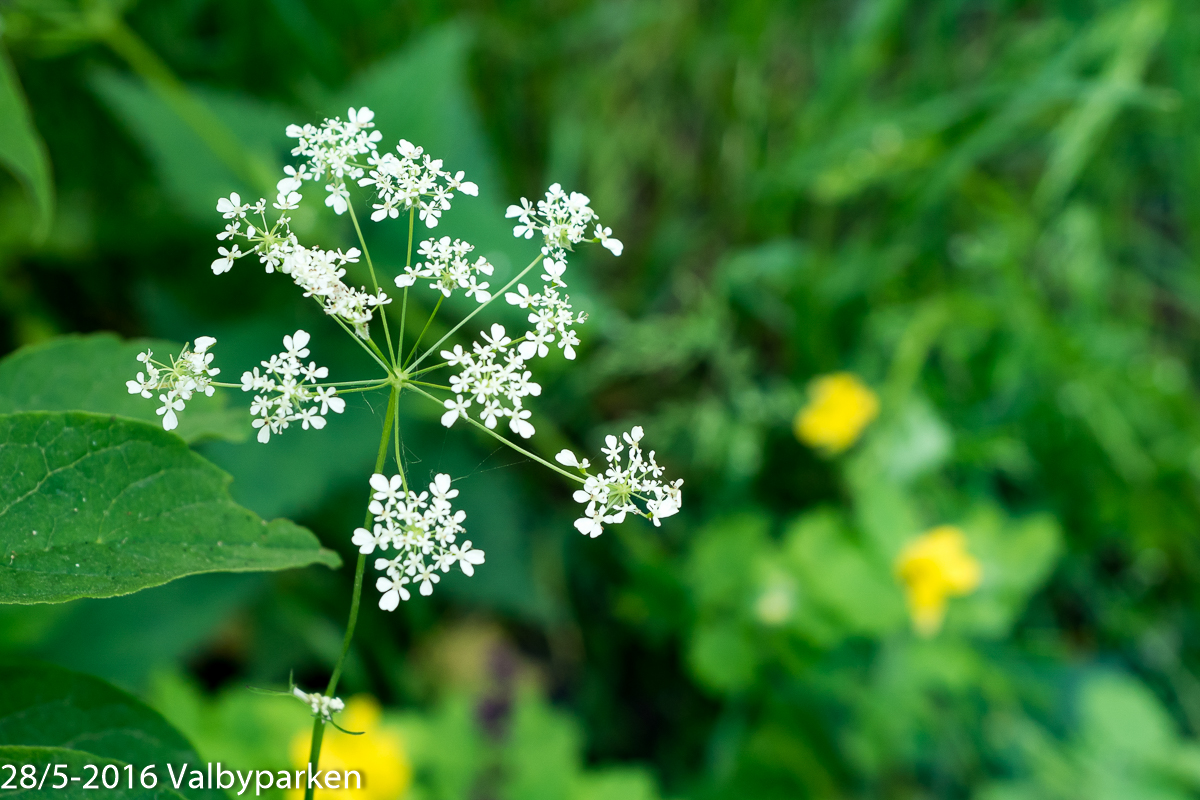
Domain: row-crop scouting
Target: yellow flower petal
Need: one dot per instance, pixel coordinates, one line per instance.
(840, 407)
(934, 567)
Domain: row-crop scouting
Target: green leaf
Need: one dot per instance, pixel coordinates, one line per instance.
(21, 148)
(542, 752)
(841, 577)
(96, 506)
(1017, 557)
(49, 714)
(722, 654)
(1121, 720)
(615, 783)
(88, 373)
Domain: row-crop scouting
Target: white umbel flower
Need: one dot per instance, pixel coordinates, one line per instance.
(285, 392)
(411, 178)
(446, 262)
(610, 495)
(563, 221)
(421, 530)
(493, 378)
(321, 705)
(332, 151)
(189, 373)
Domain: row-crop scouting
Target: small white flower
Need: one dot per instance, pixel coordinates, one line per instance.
(518, 423)
(170, 404)
(231, 207)
(467, 558)
(225, 262)
(190, 372)
(455, 409)
(606, 240)
(393, 591)
(322, 706)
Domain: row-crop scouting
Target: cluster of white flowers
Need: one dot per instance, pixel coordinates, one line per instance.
(191, 372)
(552, 316)
(318, 272)
(284, 394)
(495, 371)
(414, 526)
(446, 262)
(494, 377)
(610, 495)
(563, 220)
(413, 179)
(332, 149)
(322, 706)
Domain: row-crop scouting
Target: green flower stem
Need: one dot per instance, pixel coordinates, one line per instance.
(337, 384)
(516, 447)
(428, 322)
(429, 369)
(318, 733)
(399, 460)
(467, 318)
(375, 347)
(430, 385)
(365, 388)
(374, 283)
(407, 263)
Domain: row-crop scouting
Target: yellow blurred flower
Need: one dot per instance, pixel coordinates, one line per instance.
(378, 754)
(933, 567)
(840, 406)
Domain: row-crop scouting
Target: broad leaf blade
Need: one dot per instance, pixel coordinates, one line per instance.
(96, 506)
(88, 373)
(21, 148)
(49, 714)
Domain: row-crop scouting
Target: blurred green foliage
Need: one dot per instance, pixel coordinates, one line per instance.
(984, 208)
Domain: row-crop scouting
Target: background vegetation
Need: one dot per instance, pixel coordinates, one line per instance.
(986, 209)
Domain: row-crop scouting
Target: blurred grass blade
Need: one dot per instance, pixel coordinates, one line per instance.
(1133, 32)
(21, 148)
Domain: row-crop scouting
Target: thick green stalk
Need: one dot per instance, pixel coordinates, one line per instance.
(314, 755)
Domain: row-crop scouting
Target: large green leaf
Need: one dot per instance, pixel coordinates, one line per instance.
(21, 148)
(52, 715)
(88, 373)
(96, 506)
